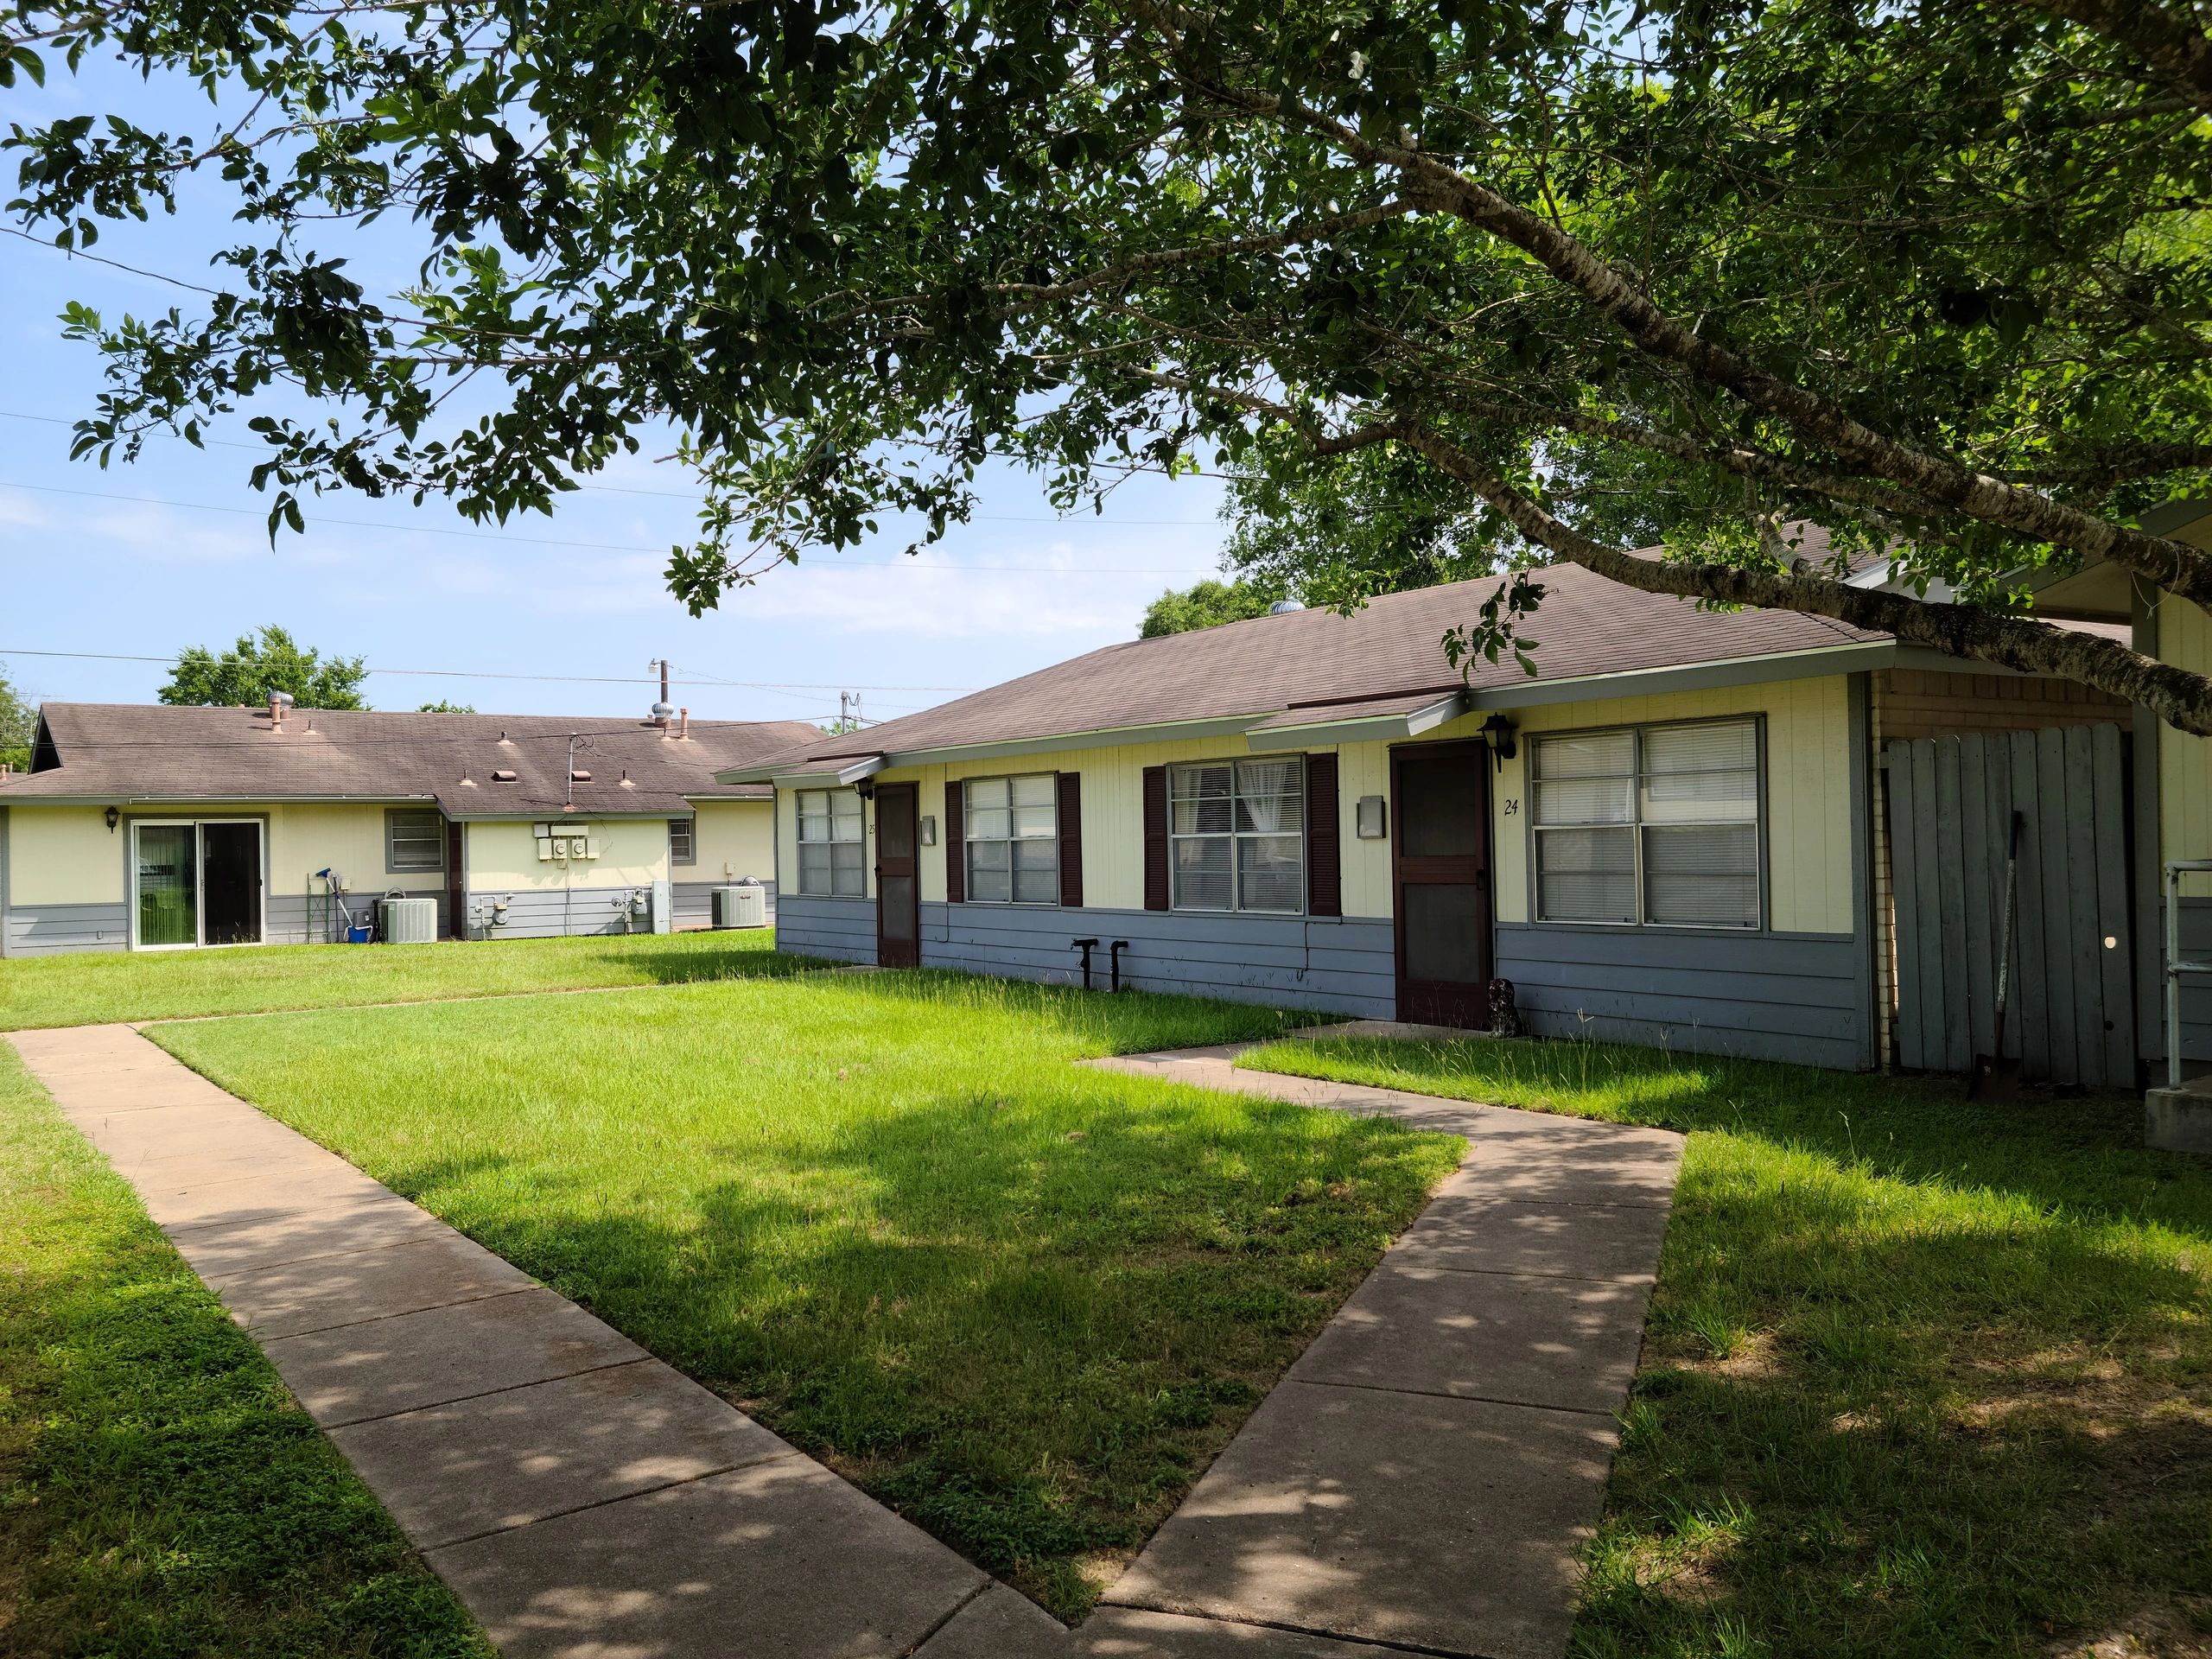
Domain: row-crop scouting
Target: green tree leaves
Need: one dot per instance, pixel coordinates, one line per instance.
(260, 663)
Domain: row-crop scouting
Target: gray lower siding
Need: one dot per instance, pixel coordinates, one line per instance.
(842, 930)
(541, 915)
(1327, 965)
(694, 904)
(1772, 996)
(57, 930)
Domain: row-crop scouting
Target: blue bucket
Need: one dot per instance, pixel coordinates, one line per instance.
(357, 935)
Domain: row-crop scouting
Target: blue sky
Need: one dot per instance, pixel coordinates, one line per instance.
(146, 559)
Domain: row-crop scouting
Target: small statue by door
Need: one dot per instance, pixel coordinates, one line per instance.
(1504, 1013)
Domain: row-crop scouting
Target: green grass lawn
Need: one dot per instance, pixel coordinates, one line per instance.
(1922, 1377)
(1020, 1300)
(106, 986)
(161, 1496)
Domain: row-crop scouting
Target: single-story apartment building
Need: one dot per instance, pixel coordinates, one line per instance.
(1745, 831)
(158, 828)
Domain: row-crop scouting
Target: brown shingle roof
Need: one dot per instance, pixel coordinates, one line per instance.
(141, 752)
(1390, 650)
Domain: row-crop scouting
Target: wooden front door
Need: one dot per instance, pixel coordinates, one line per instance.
(897, 879)
(1439, 854)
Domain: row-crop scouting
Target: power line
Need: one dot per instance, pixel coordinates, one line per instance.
(601, 547)
(684, 495)
(577, 679)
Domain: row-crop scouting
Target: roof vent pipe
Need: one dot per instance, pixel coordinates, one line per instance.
(278, 702)
(661, 709)
(683, 727)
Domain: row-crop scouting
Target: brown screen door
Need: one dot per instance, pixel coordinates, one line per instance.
(1440, 846)
(898, 882)
(456, 885)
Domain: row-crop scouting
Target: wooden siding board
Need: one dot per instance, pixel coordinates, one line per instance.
(2030, 996)
(2115, 965)
(1912, 1046)
(1951, 899)
(2082, 932)
(2048, 807)
(1927, 911)
(1975, 855)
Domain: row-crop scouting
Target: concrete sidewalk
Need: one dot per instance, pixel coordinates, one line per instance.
(1427, 1473)
(1422, 1480)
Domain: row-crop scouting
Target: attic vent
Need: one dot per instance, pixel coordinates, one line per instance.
(502, 775)
(578, 775)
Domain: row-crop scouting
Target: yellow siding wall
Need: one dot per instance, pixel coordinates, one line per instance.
(67, 856)
(1807, 786)
(632, 852)
(735, 839)
(2184, 639)
(347, 839)
(63, 855)
(1807, 790)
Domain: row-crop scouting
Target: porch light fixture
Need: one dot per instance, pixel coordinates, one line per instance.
(865, 789)
(1499, 732)
(114, 817)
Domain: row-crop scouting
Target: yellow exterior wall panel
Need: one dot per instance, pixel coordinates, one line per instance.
(64, 855)
(1807, 807)
(733, 840)
(503, 856)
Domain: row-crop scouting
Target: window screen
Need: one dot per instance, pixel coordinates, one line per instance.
(1237, 835)
(1012, 828)
(414, 841)
(830, 845)
(1657, 824)
(682, 844)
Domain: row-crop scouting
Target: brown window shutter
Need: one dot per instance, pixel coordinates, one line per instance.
(1069, 814)
(956, 842)
(1155, 837)
(1325, 868)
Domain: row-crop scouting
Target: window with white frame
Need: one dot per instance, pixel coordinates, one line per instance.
(414, 840)
(1237, 835)
(1650, 824)
(682, 841)
(1011, 826)
(831, 852)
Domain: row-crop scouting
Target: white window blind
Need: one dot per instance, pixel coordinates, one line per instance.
(1237, 835)
(682, 843)
(830, 850)
(1654, 824)
(1012, 828)
(414, 840)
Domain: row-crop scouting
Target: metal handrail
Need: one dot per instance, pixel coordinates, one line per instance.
(2176, 966)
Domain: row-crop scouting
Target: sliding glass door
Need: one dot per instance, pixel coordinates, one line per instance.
(196, 883)
(167, 863)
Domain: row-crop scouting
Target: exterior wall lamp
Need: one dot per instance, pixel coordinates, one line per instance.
(114, 817)
(1498, 732)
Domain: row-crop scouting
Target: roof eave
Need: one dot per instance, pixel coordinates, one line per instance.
(1362, 728)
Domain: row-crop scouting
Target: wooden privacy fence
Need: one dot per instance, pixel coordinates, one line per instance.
(2070, 1007)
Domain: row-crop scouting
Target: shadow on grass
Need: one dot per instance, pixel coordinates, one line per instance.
(1027, 1339)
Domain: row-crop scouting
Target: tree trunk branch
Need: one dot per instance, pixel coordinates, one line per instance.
(2182, 699)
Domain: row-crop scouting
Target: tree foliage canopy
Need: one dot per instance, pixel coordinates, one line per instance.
(1205, 605)
(259, 664)
(18, 725)
(1933, 277)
